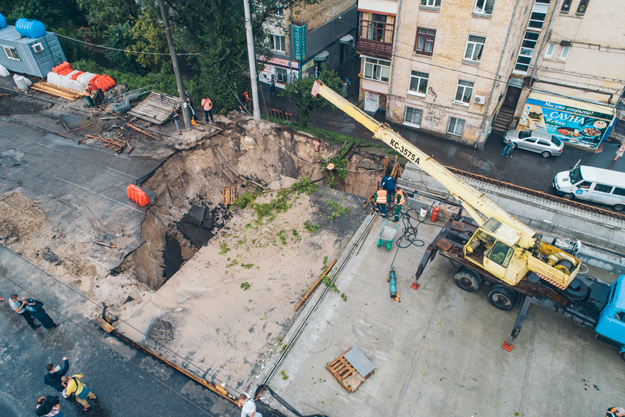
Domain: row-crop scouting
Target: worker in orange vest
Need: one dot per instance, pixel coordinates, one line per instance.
(400, 200)
(87, 93)
(615, 412)
(381, 198)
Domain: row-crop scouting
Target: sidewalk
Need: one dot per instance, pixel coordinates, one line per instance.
(526, 169)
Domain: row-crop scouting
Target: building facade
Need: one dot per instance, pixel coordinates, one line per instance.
(575, 77)
(305, 36)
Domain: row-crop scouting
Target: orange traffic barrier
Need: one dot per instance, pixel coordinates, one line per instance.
(76, 75)
(61, 67)
(137, 195)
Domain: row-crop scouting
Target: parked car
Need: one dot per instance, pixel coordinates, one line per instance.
(535, 141)
(593, 184)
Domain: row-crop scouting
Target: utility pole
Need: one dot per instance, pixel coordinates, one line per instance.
(252, 58)
(174, 62)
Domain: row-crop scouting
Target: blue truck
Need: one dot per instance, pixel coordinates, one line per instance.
(589, 301)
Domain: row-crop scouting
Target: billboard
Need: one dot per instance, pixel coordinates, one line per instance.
(578, 123)
(299, 43)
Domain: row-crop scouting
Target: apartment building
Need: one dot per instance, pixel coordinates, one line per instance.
(571, 82)
(302, 37)
(439, 65)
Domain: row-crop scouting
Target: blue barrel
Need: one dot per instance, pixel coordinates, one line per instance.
(3, 22)
(30, 28)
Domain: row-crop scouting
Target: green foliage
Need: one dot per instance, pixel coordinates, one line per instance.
(223, 248)
(246, 286)
(325, 263)
(247, 199)
(337, 209)
(282, 236)
(327, 281)
(302, 89)
(312, 228)
(304, 185)
(247, 266)
(295, 233)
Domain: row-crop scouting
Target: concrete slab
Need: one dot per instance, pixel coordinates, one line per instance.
(438, 352)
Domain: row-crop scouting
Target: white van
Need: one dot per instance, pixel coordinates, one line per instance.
(592, 184)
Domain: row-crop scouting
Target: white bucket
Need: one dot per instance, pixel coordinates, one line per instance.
(21, 83)
(424, 212)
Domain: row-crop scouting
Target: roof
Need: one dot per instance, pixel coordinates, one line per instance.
(541, 134)
(603, 176)
(9, 33)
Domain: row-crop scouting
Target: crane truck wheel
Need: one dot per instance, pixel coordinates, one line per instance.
(577, 290)
(503, 298)
(467, 280)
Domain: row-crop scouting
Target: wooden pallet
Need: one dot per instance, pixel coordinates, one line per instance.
(228, 195)
(117, 145)
(156, 108)
(341, 369)
(56, 91)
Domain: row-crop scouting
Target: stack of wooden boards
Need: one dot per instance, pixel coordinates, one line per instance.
(157, 108)
(117, 145)
(53, 90)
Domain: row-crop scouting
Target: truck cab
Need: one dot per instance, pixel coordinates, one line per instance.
(611, 322)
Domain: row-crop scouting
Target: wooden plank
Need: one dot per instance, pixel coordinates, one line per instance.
(142, 131)
(314, 285)
(228, 195)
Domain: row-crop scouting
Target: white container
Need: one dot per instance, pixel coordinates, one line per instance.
(21, 83)
(4, 72)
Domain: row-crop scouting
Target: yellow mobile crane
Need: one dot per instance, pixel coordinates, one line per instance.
(503, 246)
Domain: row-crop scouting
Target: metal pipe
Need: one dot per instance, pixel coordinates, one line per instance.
(251, 55)
(174, 62)
(490, 96)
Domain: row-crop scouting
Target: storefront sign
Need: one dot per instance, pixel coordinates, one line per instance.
(579, 123)
(372, 101)
(299, 43)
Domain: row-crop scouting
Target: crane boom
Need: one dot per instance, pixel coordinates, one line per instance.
(476, 203)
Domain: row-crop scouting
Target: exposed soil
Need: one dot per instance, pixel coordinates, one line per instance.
(10, 106)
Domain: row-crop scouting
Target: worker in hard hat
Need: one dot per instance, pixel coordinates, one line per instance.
(381, 198)
(400, 200)
(87, 92)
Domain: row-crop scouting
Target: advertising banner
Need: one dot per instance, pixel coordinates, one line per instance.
(571, 121)
(299, 43)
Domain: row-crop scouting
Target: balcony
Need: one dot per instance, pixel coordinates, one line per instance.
(376, 35)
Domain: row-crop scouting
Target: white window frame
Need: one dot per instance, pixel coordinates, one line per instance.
(420, 77)
(279, 13)
(278, 42)
(566, 50)
(369, 63)
(474, 48)
(549, 51)
(414, 110)
(526, 51)
(463, 85)
(482, 10)
(431, 3)
(11, 53)
(457, 120)
(538, 9)
(37, 47)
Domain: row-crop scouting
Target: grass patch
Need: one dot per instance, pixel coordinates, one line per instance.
(246, 286)
(247, 266)
(337, 209)
(282, 236)
(223, 248)
(312, 228)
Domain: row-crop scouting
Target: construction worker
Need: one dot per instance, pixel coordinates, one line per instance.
(381, 198)
(615, 412)
(388, 183)
(400, 200)
(87, 92)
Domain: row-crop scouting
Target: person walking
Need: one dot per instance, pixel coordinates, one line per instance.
(345, 87)
(400, 200)
(507, 149)
(19, 305)
(272, 86)
(54, 375)
(381, 198)
(75, 386)
(248, 407)
(619, 152)
(192, 112)
(35, 308)
(176, 118)
(49, 406)
(207, 104)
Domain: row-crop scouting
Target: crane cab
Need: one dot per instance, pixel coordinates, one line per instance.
(494, 247)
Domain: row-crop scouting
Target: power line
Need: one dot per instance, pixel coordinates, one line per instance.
(121, 50)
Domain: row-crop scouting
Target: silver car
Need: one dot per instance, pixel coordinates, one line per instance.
(533, 140)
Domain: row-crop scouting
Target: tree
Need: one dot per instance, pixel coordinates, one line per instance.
(303, 87)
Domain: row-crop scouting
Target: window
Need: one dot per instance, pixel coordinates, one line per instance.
(11, 53)
(377, 69)
(484, 6)
(377, 27)
(425, 41)
(565, 53)
(526, 52)
(550, 49)
(456, 126)
(603, 188)
(543, 142)
(530, 140)
(620, 316)
(37, 47)
(431, 3)
(413, 116)
(500, 254)
(566, 6)
(279, 12)
(583, 5)
(464, 92)
(619, 191)
(277, 43)
(418, 83)
(536, 20)
(475, 45)
(281, 75)
(585, 184)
